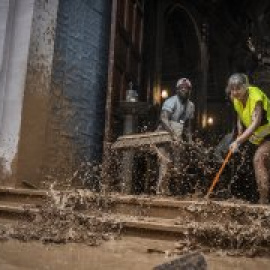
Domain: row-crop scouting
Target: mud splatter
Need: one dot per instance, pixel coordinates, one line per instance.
(82, 216)
(61, 219)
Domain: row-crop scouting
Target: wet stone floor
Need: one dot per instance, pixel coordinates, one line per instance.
(127, 253)
(73, 230)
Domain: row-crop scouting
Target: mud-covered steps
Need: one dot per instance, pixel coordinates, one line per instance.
(189, 210)
(22, 196)
(169, 217)
(19, 203)
(150, 216)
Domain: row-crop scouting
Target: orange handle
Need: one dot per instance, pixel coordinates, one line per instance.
(219, 173)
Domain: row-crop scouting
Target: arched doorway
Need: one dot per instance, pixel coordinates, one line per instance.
(181, 54)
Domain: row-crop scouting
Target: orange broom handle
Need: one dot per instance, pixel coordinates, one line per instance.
(219, 173)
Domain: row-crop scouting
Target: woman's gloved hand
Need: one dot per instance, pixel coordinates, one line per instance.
(234, 147)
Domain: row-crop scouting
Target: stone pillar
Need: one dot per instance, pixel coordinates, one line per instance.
(77, 100)
(202, 106)
(37, 92)
(15, 28)
(6, 22)
(26, 52)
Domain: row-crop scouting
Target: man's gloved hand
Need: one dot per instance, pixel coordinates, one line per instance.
(234, 147)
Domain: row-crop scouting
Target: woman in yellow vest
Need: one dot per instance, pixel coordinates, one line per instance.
(253, 125)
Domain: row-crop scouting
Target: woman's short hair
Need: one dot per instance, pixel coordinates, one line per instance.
(237, 79)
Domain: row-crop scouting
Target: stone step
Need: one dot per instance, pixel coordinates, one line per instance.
(23, 196)
(206, 224)
(132, 225)
(144, 226)
(205, 233)
(194, 210)
(15, 211)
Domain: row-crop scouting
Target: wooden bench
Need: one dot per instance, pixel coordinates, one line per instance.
(129, 145)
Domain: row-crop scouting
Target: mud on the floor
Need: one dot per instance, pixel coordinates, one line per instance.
(65, 218)
(84, 217)
(60, 220)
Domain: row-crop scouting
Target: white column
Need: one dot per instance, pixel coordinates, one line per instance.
(6, 19)
(15, 20)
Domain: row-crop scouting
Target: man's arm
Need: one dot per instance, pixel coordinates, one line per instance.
(164, 118)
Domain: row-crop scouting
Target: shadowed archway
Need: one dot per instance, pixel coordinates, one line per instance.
(181, 55)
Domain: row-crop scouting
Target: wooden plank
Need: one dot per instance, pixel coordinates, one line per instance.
(142, 139)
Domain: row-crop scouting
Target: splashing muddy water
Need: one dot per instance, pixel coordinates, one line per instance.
(60, 220)
(80, 216)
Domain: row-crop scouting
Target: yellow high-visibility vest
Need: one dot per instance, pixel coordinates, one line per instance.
(245, 113)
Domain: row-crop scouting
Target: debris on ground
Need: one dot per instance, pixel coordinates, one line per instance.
(60, 220)
(81, 216)
(194, 260)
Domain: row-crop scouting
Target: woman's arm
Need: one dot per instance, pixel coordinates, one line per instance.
(240, 128)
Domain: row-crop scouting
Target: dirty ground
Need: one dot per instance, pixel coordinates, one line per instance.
(75, 229)
(127, 253)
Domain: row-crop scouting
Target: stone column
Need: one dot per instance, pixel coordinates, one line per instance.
(15, 28)
(37, 92)
(26, 48)
(6, 22)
